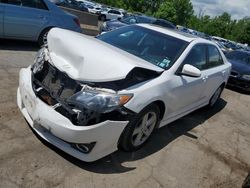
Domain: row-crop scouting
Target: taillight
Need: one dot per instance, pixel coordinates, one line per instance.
(76, 20)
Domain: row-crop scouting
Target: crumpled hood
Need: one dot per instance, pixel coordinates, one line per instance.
(85, 58)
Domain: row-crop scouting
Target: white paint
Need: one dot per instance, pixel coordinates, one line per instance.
(51, 125)
(87, 59)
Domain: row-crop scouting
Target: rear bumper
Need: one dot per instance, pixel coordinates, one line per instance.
(59, 131)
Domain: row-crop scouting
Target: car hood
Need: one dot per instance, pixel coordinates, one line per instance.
(85, 58)
(240, 67)
(115, 24)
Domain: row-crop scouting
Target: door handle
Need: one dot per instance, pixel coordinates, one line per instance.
(205, 78)
(42, 17)
(223, 73)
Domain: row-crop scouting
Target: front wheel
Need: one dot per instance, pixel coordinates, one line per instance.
(140, 129)
(216, 96)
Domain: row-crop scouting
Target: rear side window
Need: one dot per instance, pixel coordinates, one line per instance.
(114, 12)
(214, 57)
(39, 4)
(197, 57)
(12, 2)
(34, 4)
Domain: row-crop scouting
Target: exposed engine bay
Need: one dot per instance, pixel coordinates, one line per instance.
(56, 88)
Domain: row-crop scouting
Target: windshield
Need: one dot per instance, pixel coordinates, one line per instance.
(157, 48)
(242, 57)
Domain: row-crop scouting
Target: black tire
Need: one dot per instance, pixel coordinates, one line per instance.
(216, 96)
(246, 183)
(126, 139)
(43, 37)
(103, 18)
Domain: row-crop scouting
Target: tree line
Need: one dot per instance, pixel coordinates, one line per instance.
(181, 12)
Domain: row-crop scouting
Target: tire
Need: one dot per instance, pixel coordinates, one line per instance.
(246, 183)
(140, 129)
(216, 96)
(103, 18)
(42, 40)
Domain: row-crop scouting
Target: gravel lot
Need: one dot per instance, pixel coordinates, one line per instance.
(203, 149)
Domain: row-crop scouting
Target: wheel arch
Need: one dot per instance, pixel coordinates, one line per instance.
(161, 106)
(223, 85)
(44, 29)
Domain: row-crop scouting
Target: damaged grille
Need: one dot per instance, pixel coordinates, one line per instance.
(54, 88)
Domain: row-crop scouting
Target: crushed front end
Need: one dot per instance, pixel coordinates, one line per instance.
(61, 110)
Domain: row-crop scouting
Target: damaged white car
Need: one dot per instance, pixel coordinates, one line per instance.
(89, 96)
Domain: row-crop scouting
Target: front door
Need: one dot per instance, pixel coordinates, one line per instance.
(188, 92)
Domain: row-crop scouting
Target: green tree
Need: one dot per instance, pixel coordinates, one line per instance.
(181, 12)
(177, 11)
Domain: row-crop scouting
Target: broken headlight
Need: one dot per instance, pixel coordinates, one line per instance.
(98, 101)
(39, 61)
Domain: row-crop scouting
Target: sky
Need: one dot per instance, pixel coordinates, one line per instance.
(237, 8)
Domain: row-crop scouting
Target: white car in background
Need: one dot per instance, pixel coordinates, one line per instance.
(111, 14)
(90, 96)
(94, 9)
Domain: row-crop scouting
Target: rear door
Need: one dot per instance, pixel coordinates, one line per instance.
(1, 17)
(25, 18)
(215, 70)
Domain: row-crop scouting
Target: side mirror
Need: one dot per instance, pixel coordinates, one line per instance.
(190, 70)
(119, 18)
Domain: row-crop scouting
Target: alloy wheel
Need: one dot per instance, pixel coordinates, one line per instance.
(144, 128)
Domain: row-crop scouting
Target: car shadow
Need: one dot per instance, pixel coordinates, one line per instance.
(113, 163)
(18, 45)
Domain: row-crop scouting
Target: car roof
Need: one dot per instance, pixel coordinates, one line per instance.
(175, 33)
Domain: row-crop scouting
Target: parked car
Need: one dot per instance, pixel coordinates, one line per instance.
(31, 20)
(135, 19)
(143, 78)
(93, 9)
(222, 47)
(219, 39)
(87, 2)
(111, 14)
(73, 4)
(240, 74)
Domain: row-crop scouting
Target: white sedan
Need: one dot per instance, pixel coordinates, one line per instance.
(90, 96)
(111, 15)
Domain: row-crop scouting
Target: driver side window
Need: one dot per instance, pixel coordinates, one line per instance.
(197, 57)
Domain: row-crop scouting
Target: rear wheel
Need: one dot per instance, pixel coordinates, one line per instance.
(140, 129)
